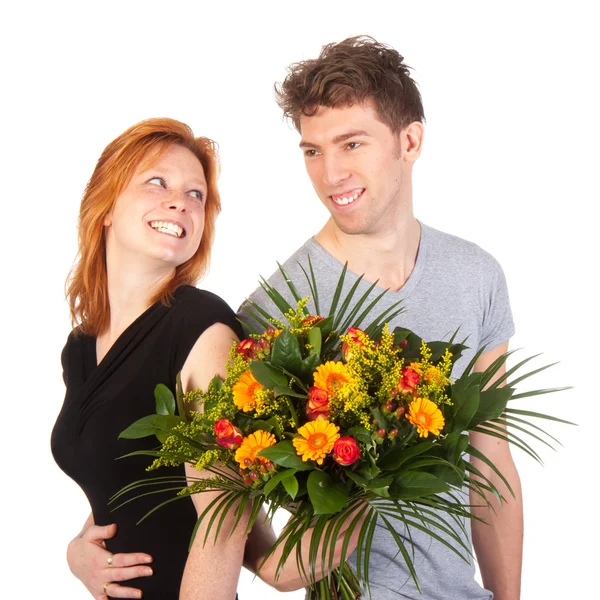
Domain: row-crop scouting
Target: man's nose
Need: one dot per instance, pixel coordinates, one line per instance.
(335, 171)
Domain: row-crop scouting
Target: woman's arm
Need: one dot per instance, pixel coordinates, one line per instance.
(88, 557)
(212, 569)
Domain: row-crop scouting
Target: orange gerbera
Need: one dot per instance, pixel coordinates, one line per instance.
(331, 376)
(317, 440)
(251, 445)
(426, 415)
(244, 391)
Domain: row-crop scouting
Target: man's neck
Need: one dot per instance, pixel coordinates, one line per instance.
(389, 257)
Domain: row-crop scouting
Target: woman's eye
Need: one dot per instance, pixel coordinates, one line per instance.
(197, 194)
(157, 181)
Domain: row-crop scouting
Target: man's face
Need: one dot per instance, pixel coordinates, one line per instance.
(356, 166)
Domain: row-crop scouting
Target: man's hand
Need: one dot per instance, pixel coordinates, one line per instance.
(89, 561)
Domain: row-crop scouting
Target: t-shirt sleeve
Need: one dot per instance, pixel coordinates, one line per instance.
(196, 312)
(497, 326)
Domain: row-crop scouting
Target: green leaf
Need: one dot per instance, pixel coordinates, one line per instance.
(291, 486)
(315, 340)
(286, 352)
(309, 364)
(179, 395)
(465, 402)
(276, 479)
(398, 455)
(163, 425)
(141, 428)
(267, 375)
(492, 403)
(326, 325)
(360, 433)
(285, 454)
(165, 401)
(326, 496)
(454, 445)
(412, 485)
(284, 390)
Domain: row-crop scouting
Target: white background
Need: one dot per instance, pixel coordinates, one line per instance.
(510, 162)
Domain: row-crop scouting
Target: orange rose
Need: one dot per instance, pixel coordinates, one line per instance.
(228, 435)
(317, 406)
(353, 333)
(346, 451)
(409, 380)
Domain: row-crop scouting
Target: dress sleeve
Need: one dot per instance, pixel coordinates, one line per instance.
(196, 311)
(497, 326)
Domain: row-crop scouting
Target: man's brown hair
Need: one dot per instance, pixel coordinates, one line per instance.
(352, 72)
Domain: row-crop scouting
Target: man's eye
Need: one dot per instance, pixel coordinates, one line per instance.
(157, 181)
(310, 153)
(353, 145)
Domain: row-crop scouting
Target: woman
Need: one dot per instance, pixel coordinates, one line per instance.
(146, 227)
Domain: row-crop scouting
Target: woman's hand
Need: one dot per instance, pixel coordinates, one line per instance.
(95, 566)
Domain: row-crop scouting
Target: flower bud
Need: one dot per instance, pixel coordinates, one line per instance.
(381, 432)
(254, 475)
(247, 480)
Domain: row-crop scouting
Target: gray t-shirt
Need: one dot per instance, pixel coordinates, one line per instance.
(454, 284)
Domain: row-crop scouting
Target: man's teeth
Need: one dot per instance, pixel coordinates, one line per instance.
(347, 199)
(166, 227)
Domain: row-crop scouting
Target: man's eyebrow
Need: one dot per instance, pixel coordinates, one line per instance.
(338, 138)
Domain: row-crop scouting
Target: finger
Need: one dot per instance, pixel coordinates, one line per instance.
(129, 559)
(99, 532)
(126, 573)
(114, 590)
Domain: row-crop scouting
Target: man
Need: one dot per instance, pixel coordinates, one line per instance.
(360, 117)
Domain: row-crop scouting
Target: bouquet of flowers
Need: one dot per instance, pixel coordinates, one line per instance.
(342, 426)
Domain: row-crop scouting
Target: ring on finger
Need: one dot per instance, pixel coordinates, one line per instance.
(105, 587)
(109, 559)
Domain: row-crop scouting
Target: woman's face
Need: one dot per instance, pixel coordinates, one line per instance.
(160, 214)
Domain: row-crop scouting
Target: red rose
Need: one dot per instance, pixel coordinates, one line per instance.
(228, 435)
(317, 406)
(353, 333)
(409, 380)
(246, 348)
(346, 451)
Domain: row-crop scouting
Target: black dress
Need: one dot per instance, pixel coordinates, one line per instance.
(102, 400)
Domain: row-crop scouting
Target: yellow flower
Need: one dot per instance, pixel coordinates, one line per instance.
(426, 416)
(317, 440)
(433, 376)
(253, 444)
(244, 391)
(331, 376)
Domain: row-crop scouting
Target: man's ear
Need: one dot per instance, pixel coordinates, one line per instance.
(411, 140)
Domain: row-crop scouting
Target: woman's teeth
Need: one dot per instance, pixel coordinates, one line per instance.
(168, 228)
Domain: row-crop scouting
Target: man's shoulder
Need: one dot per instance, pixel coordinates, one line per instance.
(451, 250)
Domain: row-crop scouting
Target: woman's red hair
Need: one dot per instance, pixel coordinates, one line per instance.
(87, 285)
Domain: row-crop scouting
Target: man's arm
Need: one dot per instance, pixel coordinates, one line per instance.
(498, 542)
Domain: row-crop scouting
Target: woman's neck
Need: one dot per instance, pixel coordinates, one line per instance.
(131, 287)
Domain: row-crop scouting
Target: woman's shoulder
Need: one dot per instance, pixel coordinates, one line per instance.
(191, 299)
(197, 307)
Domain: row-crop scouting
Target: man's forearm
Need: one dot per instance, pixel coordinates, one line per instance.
(499, 542)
